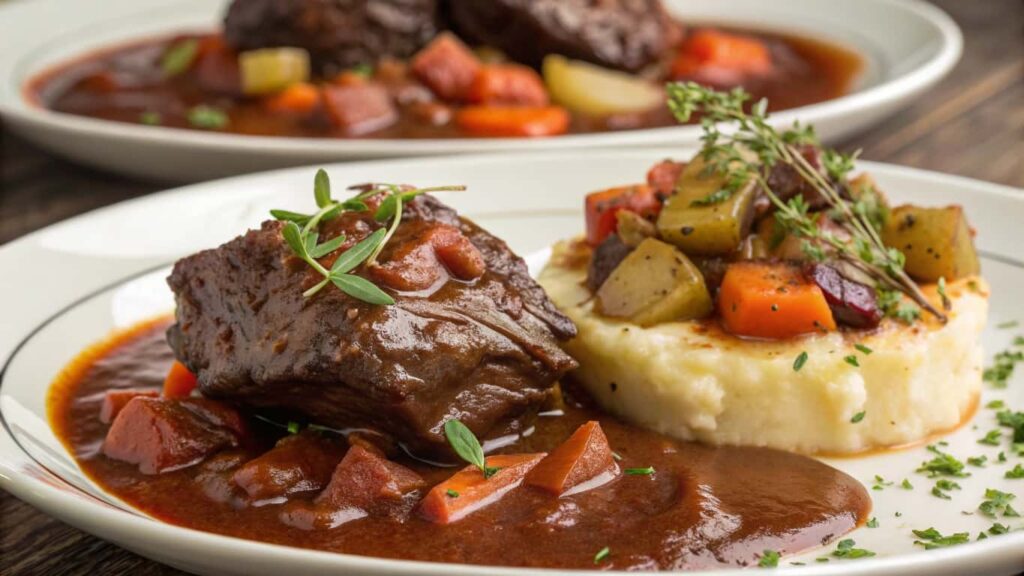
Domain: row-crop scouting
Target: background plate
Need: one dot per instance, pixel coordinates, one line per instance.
(908, 45)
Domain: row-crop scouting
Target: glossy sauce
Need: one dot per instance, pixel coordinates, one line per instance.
(806, 71)
(703, 506)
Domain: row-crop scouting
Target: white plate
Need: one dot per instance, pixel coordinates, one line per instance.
(70, 284)
(908, 46)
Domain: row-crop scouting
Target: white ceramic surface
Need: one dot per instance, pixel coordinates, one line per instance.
(71, 284)
(908, 46)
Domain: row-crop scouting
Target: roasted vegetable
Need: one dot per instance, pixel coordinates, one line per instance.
(771, 300)
(596, 91)
(655, 283)
(602, 206)
(937, 242)
(702, 217)
(271, 70)
(634, 228)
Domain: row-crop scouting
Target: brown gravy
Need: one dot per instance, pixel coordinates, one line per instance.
(807, 71)
(703, 506)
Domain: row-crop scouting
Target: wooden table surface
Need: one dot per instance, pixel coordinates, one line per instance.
(972, 124)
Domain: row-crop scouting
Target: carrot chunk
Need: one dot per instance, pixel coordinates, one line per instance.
(771, 300)
(447, 66)
(721, 57)
(300, 98)
(180, 382)
(513, 120)
(468, 491)
(509, 84)
(584, 460)
(115, 401)
(601, 207)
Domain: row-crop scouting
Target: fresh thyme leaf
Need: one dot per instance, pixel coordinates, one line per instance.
(716, 197)
(769, 559)
(992, 438)
(995, 502)
(358, 254)
(932, 538)
(179, 57)
(207, 117)
(852, 361)
(602, 555)
(640, 471)
(293, 236)
(845, 550)
(857, 417)
(801, 359)
(151, 118)
(322, 189)
(465, 444)
(942, 464)
(361, 288)
(863, 349)
(873, 523)
(451, 493)
(321, 250)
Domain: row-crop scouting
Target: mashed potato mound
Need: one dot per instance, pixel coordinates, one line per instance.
(692, 381)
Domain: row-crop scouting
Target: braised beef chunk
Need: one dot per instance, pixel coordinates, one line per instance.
(161, 434)
(622, 34)
(338, 34)
(115, 400)
(853, 304)
(298, 463)
(607, 256)
(483, 350)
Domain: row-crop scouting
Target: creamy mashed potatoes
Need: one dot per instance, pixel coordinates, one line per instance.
(692, 381)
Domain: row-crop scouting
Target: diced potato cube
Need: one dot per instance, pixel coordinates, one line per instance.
(270, 70)
(936, 241)
(595, 91)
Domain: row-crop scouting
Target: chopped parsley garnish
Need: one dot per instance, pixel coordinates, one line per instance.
(716, 197)
(151, 118)
(769, 559)
(907, 485)
(873, 523)
(942, 487)
(1007, 325)
(857, 417)
(465, 444)
(293, 427)
(852, 361)
(932, 538)
(996, 405)
(800, 361)
(179, 57)
(1015, 474)
(992, 438)
(880, 483)
(943, 464)
(640, 471)
(998, 529)
(978, 461)
(1013, 420)
(1001, 457)
(602, 555)
(207, 117)
(452, 493)
(863, 349)
(845, 550)
(997, 501)
(1002, 367)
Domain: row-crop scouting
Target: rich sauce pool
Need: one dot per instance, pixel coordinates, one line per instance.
(125, 83)
(703, 506)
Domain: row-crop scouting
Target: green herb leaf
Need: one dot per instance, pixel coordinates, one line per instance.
(978, 461)
(207, 117)
(1016, 474)
(465, 444)
(1007, 325)
(997, 529)
(996, 502)
(322, 188)
(602, 555)
(907, 485)
(992, 438)
(801, 359)
(358, 254)
(932, 538)
(293, 236)
(852, 361)
(321, 250)
(451, 493)
(942, 464)
(941, 289)
(716, 197)
(288, 216)
(769, 559)
(863, 349)
(873, 523)
(846, 550)
(857, 417)
(361, 288)
(640, 471)
(179, 57)
(293, 427)
(151, 118)
(995, 405)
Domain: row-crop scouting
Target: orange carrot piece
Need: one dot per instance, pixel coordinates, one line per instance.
(772, 301)
(299, 98)
(180, 382)
(508, 84)
(468, 491)
(707, 48)
(513, 120)
(584, 460)
(600, 208)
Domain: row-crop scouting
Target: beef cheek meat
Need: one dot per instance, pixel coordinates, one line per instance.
(621, 34)
(338, 34)
(485, 350)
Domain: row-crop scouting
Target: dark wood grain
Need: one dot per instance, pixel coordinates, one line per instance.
(972, 124)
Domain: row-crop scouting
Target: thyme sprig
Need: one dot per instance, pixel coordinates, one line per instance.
(301, 234)
(753, 148)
